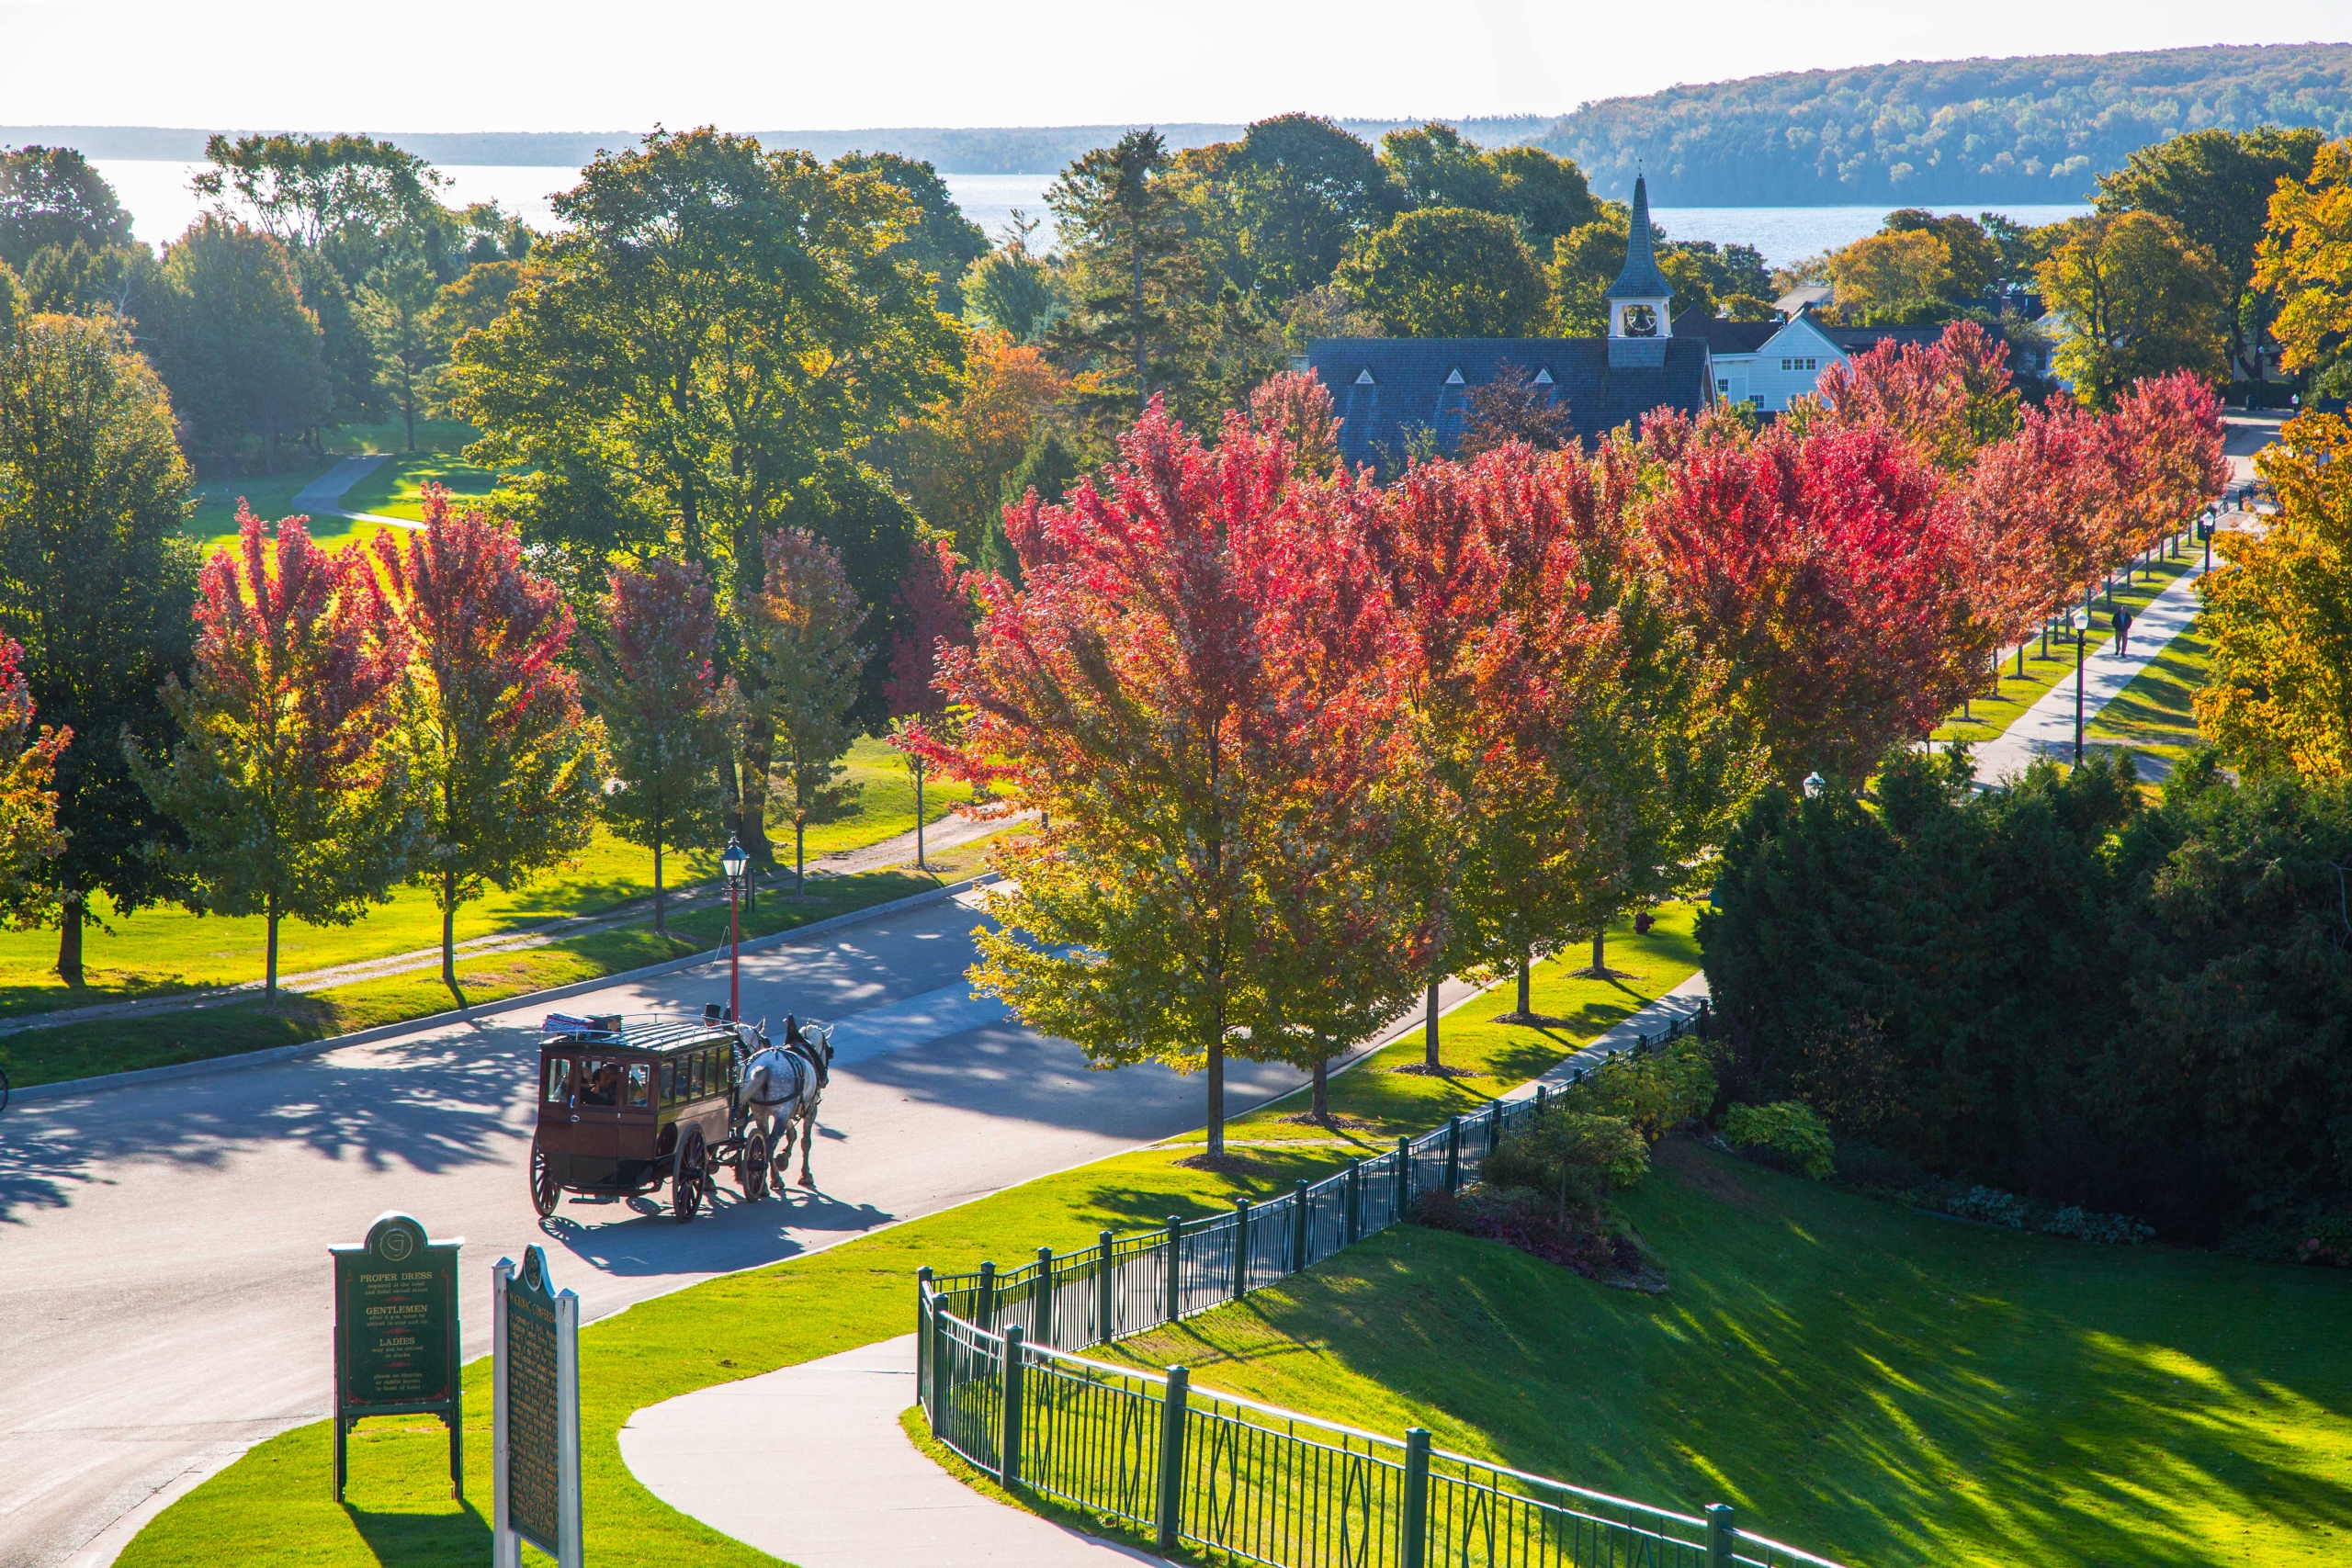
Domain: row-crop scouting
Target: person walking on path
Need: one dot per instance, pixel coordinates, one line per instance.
(2122, 632)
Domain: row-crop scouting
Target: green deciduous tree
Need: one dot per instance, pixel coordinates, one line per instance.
(2143, 299)
(2302, 261)
(1011, 289)
(506, 767)
(286, 779)
(96, 581)
(942, 241)
(688, 361)
(1447, 272)
(1892, 277)
(1298, 191)
(397, 308)
(810, 666)
(52, 196)
(236, 344)
(655, 688)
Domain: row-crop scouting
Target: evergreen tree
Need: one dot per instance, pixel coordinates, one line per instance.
(96, 581)
(1133, 283)
(811, 669)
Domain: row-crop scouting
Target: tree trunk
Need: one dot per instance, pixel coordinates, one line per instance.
(1216, 1098)
(408, 407)
(919, 865)
(1320, 1106)
(1526, 966)
(1429, 1025)
(759, 751)
(69, 939)
(1600, 952)
(659, 905)
(269, 964)
(449, 931)
(799, 857)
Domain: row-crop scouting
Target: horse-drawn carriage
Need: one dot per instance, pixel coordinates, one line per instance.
(628, 1103)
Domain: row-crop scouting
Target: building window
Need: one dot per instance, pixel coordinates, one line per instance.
(1812, 365)
(1724, 387)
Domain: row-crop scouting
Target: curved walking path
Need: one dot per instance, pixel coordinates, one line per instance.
(740, 1457)
(323, 497)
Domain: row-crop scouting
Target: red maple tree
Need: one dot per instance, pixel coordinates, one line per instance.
(28, 833)
(510, 768)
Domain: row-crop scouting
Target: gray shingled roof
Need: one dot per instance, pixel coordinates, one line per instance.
(1725, 337)
(1641, 279)
(1382, 388)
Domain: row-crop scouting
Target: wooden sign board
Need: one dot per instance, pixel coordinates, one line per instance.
(534, 1413)
(396, 1335)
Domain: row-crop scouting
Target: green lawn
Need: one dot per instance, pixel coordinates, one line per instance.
(164, 948)
(1991, 714)
(270, 495)
(2157, 714)
(396, 488)
(275, 1506)
(1876, 1385)
(432, 435)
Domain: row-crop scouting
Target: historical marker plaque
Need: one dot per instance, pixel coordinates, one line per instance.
(396, 1335)
(537, 1416)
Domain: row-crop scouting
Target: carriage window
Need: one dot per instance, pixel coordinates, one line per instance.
(640, 1084)
(558, 1080)
(600, 1084)
(694, 1086)
(669, 1082)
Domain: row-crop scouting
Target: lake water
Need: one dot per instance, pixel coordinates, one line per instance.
(161, 206)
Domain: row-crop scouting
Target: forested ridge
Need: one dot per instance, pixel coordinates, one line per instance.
(2035, 128)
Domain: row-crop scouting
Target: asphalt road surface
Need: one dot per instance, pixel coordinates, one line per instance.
(164, 1287)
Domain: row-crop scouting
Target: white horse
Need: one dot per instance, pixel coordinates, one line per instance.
(782, 1085)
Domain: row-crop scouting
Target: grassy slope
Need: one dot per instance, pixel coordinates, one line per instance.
(1873, 1385)
(2157, 714)
(164, 948)
(396, 488)
(275, 1506)
(1989, 716)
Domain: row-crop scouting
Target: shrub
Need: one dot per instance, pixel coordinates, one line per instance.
(2111, 1230)
(1785, 1135)
(1991, 1206)
(1654, 1091)
(1572, 1158)
(1518, 1216)
(1866, 1164)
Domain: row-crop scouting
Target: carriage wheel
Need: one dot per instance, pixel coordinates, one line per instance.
(751, 1172)
(689, 1176)
(546, 1192)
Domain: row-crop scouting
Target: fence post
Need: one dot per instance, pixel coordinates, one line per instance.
(1494, 1124)
(1412, 1546)
(1008, 1451)
(1045, 1299)
(1175, 1244)
(1719, 1535)
(1538, 1097)
(1298, 1218)
(1453, 1154)
(984, 1310)
(1240, 1247)
(1106, 1324)
(943, 1380)
(922, 1334)
(1172, 1459)
(1355, 1201)
(1404, 1175)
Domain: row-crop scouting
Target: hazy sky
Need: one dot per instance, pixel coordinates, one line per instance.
(588, 65)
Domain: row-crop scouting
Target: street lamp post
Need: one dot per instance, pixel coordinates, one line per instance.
(734, 863)
(2081, 624)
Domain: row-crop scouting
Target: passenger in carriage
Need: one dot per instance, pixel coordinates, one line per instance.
(604, 1086)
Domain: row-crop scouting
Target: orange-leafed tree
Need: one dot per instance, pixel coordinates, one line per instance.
(1192, 677)
(507, 767)
(28, 831)
(288, 780)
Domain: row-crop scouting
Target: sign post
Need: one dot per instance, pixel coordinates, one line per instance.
(535, 1415)
(396, 1335)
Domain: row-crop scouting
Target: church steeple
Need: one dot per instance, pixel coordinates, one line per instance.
(1639, 300)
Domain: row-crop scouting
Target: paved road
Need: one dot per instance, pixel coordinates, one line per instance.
(164, 1283)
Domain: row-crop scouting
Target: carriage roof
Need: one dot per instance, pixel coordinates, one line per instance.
(652, 1034)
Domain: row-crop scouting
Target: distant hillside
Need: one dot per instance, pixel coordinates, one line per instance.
(1964, 131)
(1019, 150)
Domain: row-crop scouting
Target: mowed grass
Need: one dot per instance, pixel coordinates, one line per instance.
(240, 1023)
(1872, 1384)
(2155, 715)
(164, 948)
(1991, 713)
(391, 436)
(396, 487)
(275, 1506)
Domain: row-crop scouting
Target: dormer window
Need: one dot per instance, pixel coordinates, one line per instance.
(1453, 377)
(1543, 377)
(1363, 378)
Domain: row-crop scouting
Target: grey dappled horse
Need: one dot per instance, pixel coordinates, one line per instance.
(782, 1085)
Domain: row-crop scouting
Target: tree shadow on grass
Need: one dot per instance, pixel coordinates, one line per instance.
(423, 1540)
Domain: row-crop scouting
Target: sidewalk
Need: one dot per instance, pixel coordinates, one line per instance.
(2047, 728)
(323, 497)
(809, 1464)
